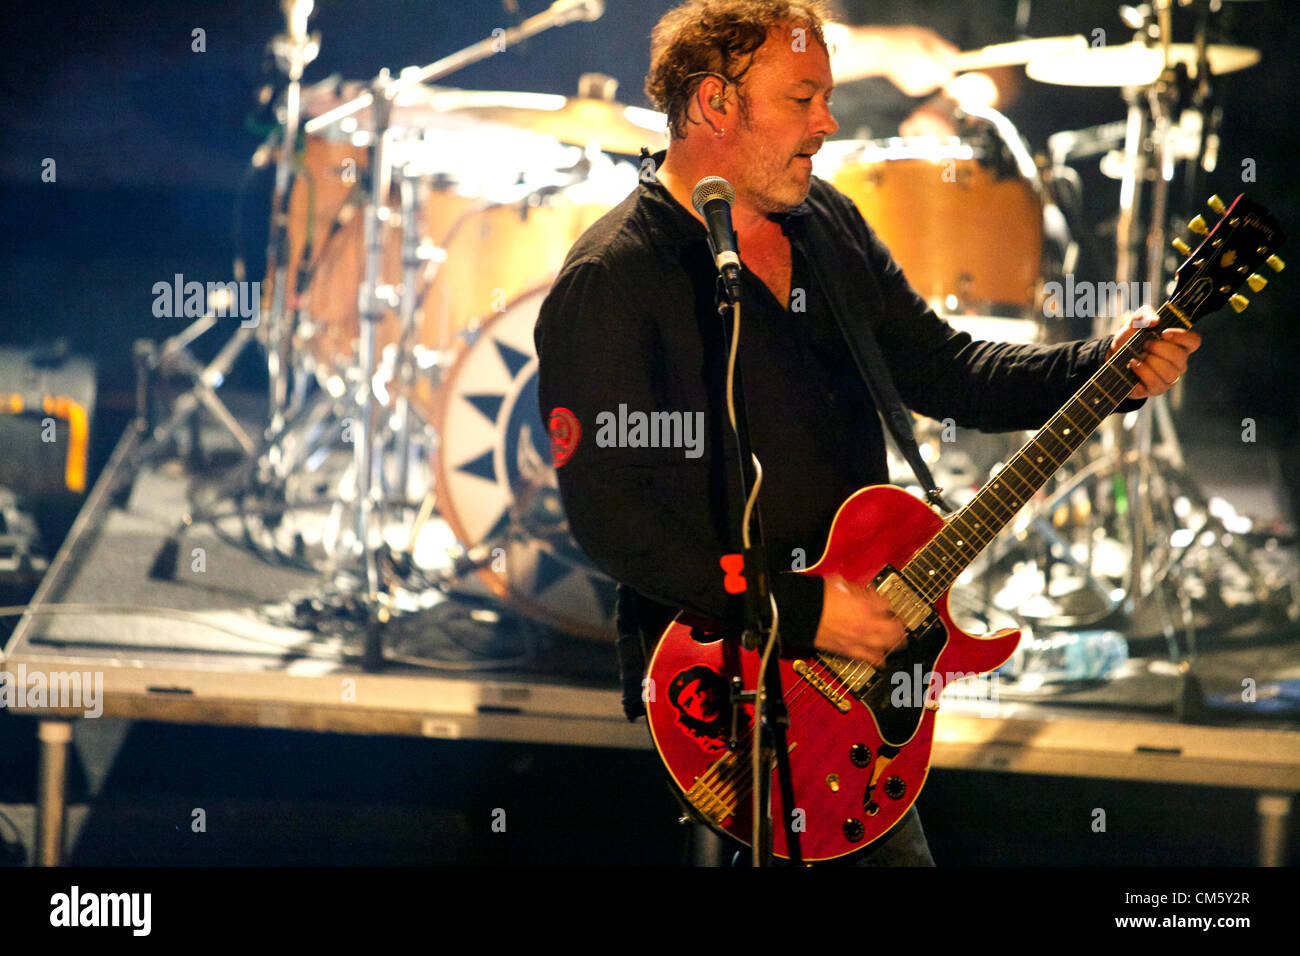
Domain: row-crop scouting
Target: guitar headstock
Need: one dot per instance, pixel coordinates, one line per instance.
(1245, 239)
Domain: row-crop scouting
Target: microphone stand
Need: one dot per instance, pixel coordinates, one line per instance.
(772, 717)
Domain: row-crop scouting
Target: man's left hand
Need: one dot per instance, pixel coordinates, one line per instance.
(1164, 360)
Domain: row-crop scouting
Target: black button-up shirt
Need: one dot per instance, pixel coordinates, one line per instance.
(630, 326)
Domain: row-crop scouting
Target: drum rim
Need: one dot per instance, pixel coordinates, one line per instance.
(907, 147)
(495, 584)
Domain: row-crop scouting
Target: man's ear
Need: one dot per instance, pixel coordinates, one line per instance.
(711, 97)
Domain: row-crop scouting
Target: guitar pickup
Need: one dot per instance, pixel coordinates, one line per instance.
(916, 613)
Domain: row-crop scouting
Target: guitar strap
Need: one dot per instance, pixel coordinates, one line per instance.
(870, 362)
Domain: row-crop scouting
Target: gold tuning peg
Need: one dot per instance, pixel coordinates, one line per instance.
(1239, 302)
(1182, 247)
(1198, 226)
(1256, 281)
(1216, 205)
(1274, 263)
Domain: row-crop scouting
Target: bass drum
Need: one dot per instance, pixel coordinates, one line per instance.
(496, 486)
(963, 223)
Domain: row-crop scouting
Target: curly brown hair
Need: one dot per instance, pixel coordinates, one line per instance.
(703, 37)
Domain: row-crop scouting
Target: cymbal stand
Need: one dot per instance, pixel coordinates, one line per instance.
(293, 50)
(405, 372)
(367, 515)
(1153, 469)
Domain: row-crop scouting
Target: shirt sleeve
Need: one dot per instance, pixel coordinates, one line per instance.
(991, 386)
(646, 516)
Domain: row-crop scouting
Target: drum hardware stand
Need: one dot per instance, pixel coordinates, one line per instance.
(295, 429)
(367, 515)
(173, 356)
(1149, 155)
(405, 371)
(293, 50)
(259, 473)
(1167, 465)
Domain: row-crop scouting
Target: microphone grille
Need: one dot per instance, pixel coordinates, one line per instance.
(711, 187)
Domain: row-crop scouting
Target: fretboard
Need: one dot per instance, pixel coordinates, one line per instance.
(936, 566)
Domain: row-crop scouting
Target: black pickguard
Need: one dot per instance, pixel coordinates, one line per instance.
(893, 695)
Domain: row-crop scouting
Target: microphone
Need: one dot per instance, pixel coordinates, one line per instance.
(712, 198)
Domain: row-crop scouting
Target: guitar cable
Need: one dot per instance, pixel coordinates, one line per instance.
(760, 693)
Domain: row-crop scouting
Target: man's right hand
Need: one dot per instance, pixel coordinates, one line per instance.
(857, 622)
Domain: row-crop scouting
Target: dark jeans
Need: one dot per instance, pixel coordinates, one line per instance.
(905, 845)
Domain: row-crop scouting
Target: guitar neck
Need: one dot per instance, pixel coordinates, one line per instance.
(936, 566)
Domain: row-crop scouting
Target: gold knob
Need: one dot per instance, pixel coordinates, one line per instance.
(1274, 263)
(1182, 247)
(1239, 302)
(1256, 281)
(1198, 226)
(1216, 205)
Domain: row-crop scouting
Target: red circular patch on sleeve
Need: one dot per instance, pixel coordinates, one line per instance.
(565, 435)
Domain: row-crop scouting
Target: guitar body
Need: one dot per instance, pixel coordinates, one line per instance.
(836, 736)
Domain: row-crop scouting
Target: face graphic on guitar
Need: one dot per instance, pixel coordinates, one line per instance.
(701, 697)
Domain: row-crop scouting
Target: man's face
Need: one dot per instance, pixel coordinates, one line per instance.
(788, 94)
(696, 701)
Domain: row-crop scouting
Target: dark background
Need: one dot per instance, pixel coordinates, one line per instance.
(151, 140)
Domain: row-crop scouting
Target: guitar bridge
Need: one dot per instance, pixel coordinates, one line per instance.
(822, 685)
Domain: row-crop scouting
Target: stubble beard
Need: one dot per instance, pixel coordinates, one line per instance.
(778, 184)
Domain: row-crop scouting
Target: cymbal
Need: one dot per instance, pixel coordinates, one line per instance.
(849, 61)
(1133, 64)
(575, 120)
(1017, 52)
(412, 108)
(617, 128)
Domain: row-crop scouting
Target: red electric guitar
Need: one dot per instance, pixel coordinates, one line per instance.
(859, 749)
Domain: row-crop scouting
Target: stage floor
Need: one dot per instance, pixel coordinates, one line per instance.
(195, 650)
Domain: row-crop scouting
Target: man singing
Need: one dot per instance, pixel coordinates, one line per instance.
(631, 321)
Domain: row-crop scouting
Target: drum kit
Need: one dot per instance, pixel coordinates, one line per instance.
(415, 231)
